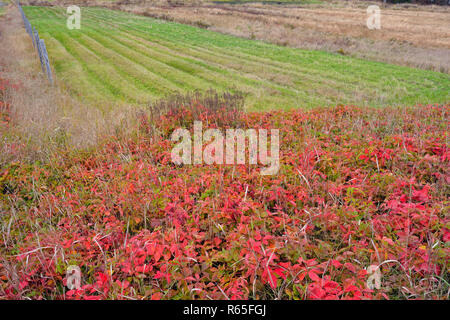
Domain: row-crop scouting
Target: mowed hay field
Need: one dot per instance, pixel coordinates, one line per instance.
(416, 37)
(118, 57)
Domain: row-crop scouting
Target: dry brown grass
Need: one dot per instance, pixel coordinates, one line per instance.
(417, 36)
(221, 109)
(45, 118)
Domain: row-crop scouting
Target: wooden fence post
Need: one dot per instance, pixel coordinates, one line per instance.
(38, 42)
(33, 32)
(45, 60)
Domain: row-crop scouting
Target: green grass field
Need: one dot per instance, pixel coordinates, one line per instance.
(125, 58)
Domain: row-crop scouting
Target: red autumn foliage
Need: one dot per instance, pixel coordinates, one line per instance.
(356, 187)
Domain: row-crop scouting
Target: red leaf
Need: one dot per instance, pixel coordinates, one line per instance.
(314, 276)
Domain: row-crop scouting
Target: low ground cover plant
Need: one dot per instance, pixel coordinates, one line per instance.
(358, 190)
